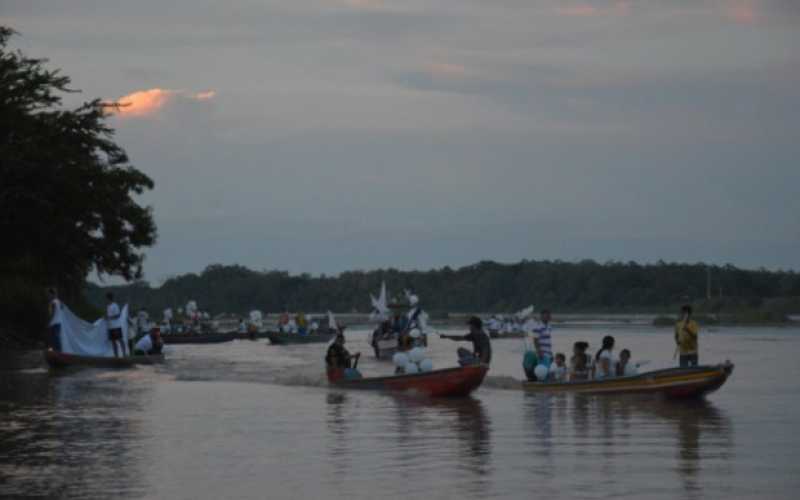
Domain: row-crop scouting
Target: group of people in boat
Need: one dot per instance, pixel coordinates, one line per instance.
(540, 364)
(147, 342)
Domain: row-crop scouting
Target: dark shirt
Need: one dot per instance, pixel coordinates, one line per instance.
(337, 357)
(481, 345)
(400, 324)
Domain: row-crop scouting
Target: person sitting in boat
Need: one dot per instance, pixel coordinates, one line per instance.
(302, 324)
(339, 360)
(150, 344)
(558, 370)
(580, 365)
(624, 367)
(283, 322)
(404, 341)
(604, 360)
(481, 345)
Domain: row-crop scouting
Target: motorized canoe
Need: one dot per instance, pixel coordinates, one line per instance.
(198, 338)
(282, 338)
(63, 360)
(449, 382)
(671, 382)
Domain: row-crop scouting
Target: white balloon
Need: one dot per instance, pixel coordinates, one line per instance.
(426, 365)
(541, 372)
(400, 359)
(416, 354)
(412, 367)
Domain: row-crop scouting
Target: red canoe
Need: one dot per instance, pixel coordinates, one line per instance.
(450, 382)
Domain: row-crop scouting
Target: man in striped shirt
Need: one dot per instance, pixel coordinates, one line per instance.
(544, 340)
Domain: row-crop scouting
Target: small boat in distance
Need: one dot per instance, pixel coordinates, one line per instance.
(671, 382)
(449, 382)
(63, 360)
(283, 338)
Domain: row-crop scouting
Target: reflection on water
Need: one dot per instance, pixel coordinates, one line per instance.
(64, 436)
(248, 421)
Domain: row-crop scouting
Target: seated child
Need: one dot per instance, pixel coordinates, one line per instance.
(624, 367)
(558, 370)
(580, 365)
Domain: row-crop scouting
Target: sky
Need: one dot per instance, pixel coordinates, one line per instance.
(328, 135)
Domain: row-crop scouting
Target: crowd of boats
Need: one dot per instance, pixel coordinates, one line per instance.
(401, 336)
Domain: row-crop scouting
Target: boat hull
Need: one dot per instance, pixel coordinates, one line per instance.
(450, 382)
(678, 383)
(280, 338)
(64, 360)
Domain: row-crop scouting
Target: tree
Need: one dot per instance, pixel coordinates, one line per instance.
(67, 190)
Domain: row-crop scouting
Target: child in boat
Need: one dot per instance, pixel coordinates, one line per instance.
(558, 370)
(580, 365)
(605, 359)
(624, 367)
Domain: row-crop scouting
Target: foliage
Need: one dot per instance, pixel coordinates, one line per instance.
(487, 286)
(67, 191)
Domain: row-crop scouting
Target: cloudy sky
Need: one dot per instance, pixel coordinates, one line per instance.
(326, 135)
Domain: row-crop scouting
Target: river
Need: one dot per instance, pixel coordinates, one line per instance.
(248, 420)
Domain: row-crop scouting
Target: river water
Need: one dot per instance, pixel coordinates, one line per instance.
(249, 420)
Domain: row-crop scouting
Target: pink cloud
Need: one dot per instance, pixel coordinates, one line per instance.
(142, 103)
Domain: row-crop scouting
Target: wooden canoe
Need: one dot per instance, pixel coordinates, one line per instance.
(281, 338)
(671, 382)
(63, 360)
(449, 382)
(198, 338)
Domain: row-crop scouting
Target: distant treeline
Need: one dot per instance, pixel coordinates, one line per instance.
(585, 286)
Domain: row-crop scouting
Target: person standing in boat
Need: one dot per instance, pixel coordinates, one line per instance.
(54, 307)
(114, 325)
(481, 345)
(686, 332)
(544, 338)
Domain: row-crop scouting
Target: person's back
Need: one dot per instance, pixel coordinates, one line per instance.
(482, 346)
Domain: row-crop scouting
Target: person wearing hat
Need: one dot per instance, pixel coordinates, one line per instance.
(481, 345)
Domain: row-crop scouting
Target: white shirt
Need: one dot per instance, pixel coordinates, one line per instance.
(558, 373)
(630, 369)
(144, 344)
(112, 316)
(56, 319)
(612, 361)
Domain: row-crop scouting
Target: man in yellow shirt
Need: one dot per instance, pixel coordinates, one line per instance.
(686, 331)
